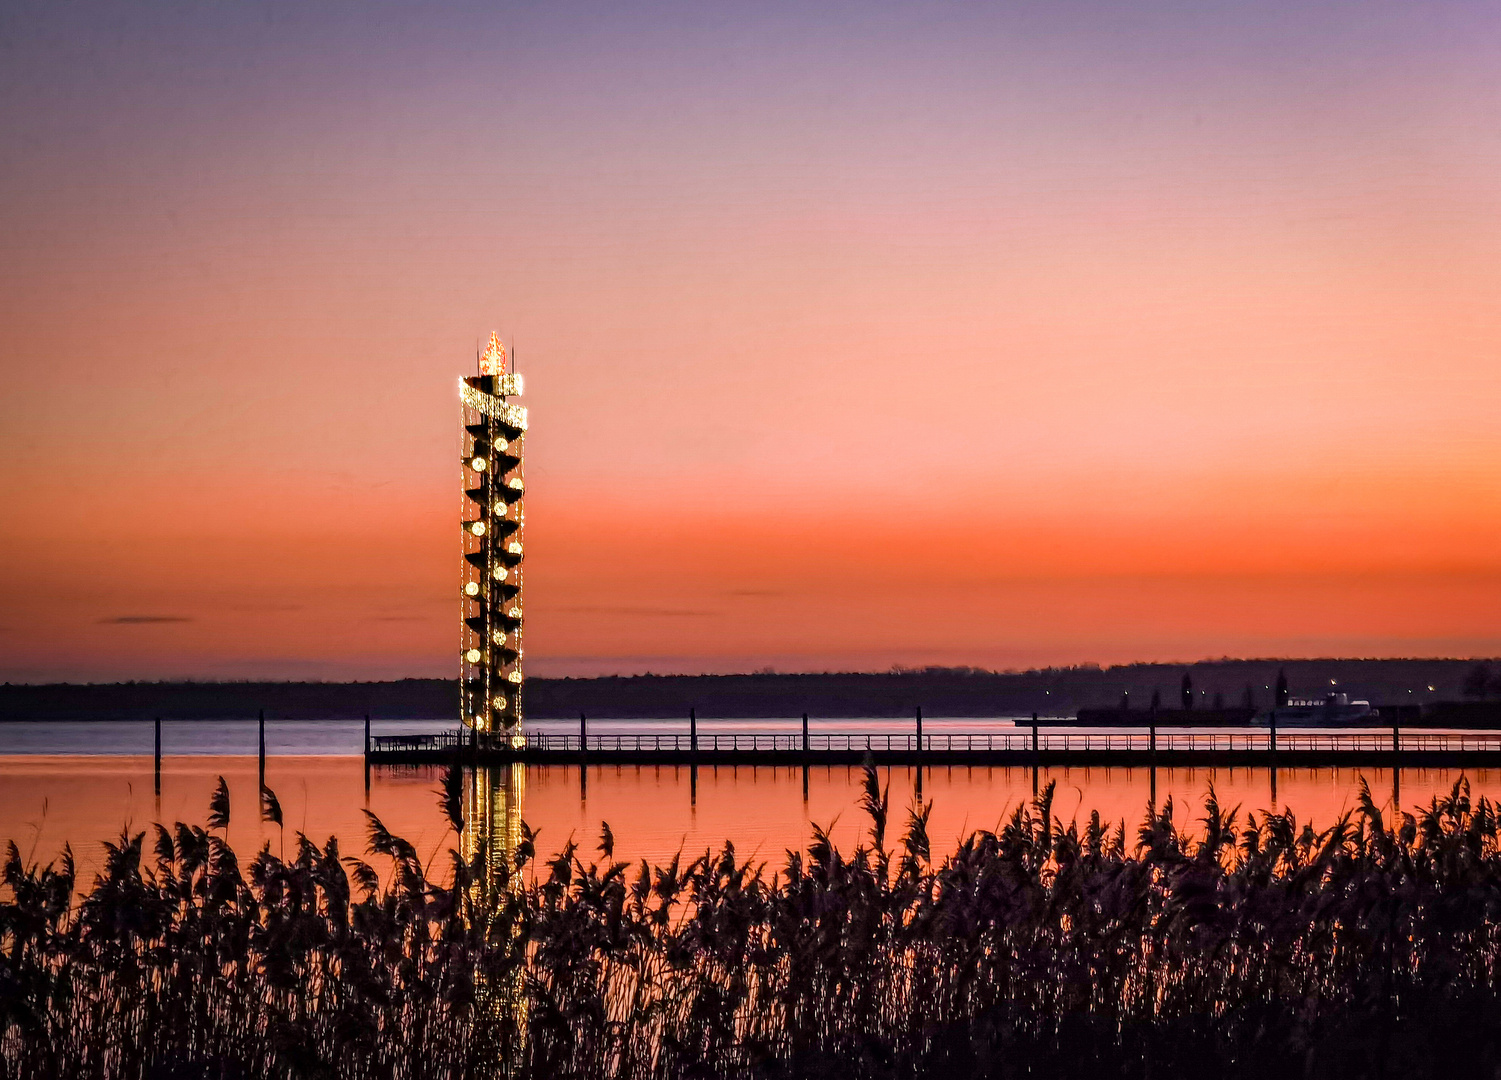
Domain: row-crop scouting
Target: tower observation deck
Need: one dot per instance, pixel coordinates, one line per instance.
(492, 522)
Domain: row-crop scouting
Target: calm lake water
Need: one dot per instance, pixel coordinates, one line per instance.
(84, 782)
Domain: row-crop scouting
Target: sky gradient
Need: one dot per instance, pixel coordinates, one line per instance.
(1003, 335)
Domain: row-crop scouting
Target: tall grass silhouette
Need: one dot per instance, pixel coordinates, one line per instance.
(1248, 945)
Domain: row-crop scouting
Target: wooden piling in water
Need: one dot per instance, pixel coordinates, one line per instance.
(261, 755)
(919, 751)
(158, 769)
(1036, 756)
(807, 757)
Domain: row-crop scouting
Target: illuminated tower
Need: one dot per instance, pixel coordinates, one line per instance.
(492, 523)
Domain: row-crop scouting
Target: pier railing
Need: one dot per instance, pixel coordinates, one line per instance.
(979, 742)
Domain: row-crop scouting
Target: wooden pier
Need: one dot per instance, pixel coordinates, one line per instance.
(1026, 746)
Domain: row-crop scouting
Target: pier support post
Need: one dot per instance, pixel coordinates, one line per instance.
(1036, 762)
(583, 736)
(1396, 738)
(1152, 756)
(693, 731)
(807, 757)
(261, 726)
(919, 751)
(367, 754)
(1274, 734)
(158, 770)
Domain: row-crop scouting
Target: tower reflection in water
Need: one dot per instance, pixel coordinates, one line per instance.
(490, 841)
(492, 824)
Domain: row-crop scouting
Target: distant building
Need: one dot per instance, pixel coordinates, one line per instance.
(493, 519)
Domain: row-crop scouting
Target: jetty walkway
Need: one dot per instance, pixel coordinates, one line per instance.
(1026, 746)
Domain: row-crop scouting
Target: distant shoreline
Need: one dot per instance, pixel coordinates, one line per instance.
(1050, 692)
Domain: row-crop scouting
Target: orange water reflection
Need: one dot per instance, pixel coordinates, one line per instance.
(653, 811)
(46, 800)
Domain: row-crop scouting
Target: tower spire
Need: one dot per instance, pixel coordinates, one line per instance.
(493, 360)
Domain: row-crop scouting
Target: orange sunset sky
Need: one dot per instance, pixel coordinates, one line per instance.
(1004, 335)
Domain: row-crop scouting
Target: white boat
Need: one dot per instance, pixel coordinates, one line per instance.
(1331, 710)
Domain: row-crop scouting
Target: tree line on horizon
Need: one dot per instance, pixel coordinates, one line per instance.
(961, 692)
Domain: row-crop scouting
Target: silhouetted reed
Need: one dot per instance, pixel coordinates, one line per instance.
(1249, 945)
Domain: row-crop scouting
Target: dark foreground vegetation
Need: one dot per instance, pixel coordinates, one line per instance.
(1051, 692)
(1247, 945)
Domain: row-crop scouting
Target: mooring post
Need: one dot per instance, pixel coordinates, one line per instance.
(367, 755)
(1272, 722)
(261, 727)
(693, 730)
(1396, 738)
(919, 751)
(807, 758)
(158, 756)
(1036, 760)
(583, 735)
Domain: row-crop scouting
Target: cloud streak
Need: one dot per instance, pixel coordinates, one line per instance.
(647, 612)
(141, 620)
